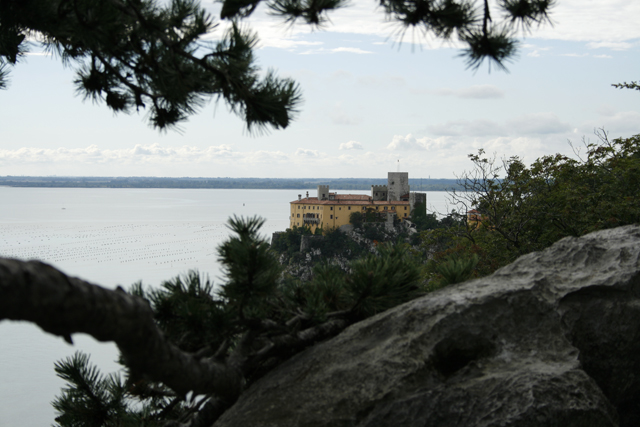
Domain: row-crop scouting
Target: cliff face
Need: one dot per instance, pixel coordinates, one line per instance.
(550, 340)
(341, 246)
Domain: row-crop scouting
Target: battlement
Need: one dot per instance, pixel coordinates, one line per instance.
(379, 192)
(323, 192)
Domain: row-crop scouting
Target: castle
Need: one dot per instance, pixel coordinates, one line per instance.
(331, 210)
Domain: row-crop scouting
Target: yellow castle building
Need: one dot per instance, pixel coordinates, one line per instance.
(331, 210)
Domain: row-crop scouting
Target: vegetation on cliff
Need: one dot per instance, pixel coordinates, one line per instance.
(522, 209)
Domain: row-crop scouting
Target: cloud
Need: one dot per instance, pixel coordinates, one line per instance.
(139, 154)
(467, 128)
(302, 152)
(598, 22)
(508, 146)
(473, 92)
(607, 24)
(38, 53)
(351, 145)
(264, 157)
(480, 92)
(351, 50)
(575, 55)
(341, 75)
(537, 124)
(355, 50)
(606, 110)
(405, 143)
(619, 123)
(611, 45)
(411, 143)
(529, 124)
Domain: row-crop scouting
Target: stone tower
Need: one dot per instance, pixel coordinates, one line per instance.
(323, 192)
(397, 185)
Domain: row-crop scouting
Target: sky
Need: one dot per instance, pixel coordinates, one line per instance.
(372, 104)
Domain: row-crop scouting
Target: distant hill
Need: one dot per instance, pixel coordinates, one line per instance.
(417, 184)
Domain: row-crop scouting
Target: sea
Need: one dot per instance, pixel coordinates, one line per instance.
(114, 237)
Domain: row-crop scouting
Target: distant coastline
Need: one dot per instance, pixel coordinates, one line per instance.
(417, 184)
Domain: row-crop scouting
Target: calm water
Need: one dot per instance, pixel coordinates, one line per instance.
(112, 237)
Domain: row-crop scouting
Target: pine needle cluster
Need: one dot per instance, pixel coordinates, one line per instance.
(144, 55)
(251, 322)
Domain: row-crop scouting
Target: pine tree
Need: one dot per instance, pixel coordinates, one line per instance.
(137, 54)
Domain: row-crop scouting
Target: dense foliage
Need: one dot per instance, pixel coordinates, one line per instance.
(522, 209)
(251, 322)
(141, 54)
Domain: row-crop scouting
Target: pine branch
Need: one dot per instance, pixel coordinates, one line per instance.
(62, 305)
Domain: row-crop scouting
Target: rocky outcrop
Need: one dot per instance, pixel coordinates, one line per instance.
(550, 340)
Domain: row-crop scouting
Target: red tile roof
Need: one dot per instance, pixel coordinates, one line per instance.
(347, 199)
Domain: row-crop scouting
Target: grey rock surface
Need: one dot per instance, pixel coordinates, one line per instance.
(550, 340)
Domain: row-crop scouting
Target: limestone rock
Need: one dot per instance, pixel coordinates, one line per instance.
(550, 340)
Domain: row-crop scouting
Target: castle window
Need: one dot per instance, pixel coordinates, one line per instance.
(331, 207)
(331, 216)
(385, 208)
(298, 215)
(349, 208)
(339, 209)
(405, 208)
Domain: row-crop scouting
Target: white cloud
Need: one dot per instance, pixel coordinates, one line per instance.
(405, 143)
(350, 50)
(302, 152)
(139, 154)
(39, 54)
(594, 21)
(610, 45)
(605, 24)
(351, 145)
(575, 55)
(411, 143)
(264, 157)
